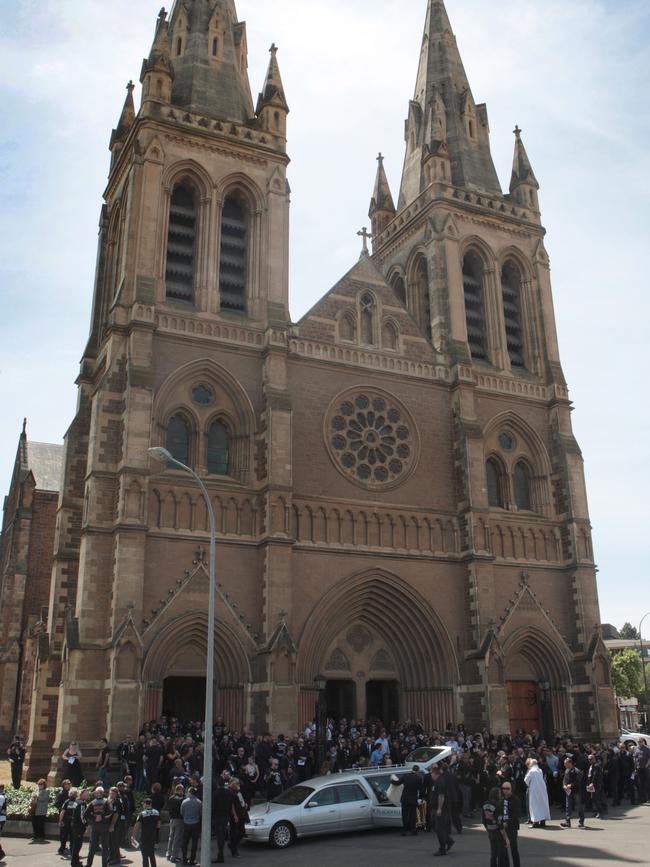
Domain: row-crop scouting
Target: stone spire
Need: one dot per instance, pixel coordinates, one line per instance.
(382, 207)
(272, 108)
(523, 184)
(126, 121)
(209, 55)
(443, 105)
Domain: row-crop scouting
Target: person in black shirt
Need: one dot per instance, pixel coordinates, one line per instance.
(238, 818)
(498, 848)
(175, 841)
(148, 824)
(3, 817)
(78, 828)
(66, 816)
(440, 810)
(508, 815)
(572, 785)
(224, 812)
(16, 754)
(99, 817)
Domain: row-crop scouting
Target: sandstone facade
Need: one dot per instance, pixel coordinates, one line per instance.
(400, 499)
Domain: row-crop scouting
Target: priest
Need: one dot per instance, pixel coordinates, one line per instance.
(538, 807)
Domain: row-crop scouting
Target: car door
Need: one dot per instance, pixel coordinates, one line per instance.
(320, 815)
(384, 813)
(355, 807)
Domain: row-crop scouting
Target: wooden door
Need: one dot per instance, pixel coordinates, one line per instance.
(523, 705)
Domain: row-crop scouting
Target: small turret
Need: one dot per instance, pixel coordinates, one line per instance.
(382, 207)
(272, 108)
(157, 71)
(523, 184)
(126, 121)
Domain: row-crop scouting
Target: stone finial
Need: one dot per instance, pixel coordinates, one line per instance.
(517, 131)
(162, 15)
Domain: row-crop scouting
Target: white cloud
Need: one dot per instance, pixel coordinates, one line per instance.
(573, 75)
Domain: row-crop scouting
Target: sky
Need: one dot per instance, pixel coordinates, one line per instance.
(574, 76)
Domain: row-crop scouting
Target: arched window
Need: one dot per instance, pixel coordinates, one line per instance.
(389, 335)
(399, 288)
(348, 328)
(474, 306)
(181, 245)
(494, 483)
(179, 46)
(521, 485)
(511, 291)
(234, 256)
(218, 449)
(368, 320)
(215, 46)
(422, 295)
(178, 439)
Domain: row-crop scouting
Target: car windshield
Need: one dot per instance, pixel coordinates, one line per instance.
(425, 754)
(294, 796)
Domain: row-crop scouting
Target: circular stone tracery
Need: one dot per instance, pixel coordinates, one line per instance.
(371, 438)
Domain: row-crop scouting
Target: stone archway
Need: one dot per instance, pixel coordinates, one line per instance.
(374, 627)
(178, 652)
(532, 658)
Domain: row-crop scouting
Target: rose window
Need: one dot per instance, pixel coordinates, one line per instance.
(370, 438)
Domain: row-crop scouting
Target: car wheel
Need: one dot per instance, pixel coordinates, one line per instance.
(282, 835)
(630, 743)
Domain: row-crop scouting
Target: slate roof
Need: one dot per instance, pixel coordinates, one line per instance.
(45, 460)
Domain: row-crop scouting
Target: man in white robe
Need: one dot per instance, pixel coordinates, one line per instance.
(538, 807)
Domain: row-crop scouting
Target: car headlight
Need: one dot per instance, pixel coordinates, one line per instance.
(256, 823)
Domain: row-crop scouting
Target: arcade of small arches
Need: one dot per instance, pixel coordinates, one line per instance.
(385, 653)
(366, 325)
(491, 306)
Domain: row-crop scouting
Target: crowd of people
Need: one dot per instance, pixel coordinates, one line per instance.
(503, 780)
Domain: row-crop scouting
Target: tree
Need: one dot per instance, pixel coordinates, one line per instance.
(627, 674)
(629, 632)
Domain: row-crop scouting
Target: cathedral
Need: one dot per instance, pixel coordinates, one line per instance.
(400, 500)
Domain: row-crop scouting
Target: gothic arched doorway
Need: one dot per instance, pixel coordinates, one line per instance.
(537, 677)
(174, 671)
(389, 642)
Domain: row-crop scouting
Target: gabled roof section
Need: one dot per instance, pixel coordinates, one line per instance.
(320, 323)
(45, 461)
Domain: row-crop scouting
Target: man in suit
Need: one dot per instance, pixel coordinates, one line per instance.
(440, 810)
(411, 794)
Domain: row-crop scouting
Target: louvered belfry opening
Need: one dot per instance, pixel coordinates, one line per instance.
(234, 255)
(475, 307)
(181, 245)
(511, 290)
(423, 300)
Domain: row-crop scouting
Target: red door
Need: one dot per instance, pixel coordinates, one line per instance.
(523, 705)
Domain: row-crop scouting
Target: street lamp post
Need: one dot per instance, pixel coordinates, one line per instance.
(321, 720)
(164, 456)
(645, 674)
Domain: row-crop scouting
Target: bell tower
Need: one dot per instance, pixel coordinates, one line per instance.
(192, 275)
(469, 263)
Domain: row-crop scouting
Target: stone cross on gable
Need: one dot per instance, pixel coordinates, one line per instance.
(282, 615)
(517, 131)
(365, 234)
(200, 554)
